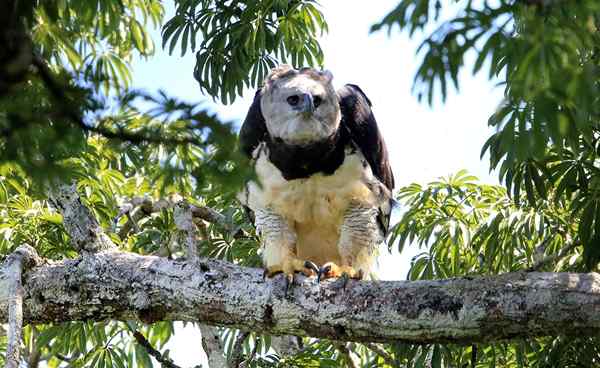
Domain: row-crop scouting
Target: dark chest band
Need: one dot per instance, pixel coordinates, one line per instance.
(296, 161)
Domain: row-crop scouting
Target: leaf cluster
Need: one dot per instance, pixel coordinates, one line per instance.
(545, 55)
(238, 42)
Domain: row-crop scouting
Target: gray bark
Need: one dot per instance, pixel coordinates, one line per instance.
(212, 346)
(11, 290)
(79, 221)
(118, 285)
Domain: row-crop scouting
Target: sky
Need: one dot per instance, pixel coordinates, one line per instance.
(424, 142)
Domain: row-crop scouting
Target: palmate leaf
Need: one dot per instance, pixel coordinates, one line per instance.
(545, 56)
(468, 227)
(240, 42)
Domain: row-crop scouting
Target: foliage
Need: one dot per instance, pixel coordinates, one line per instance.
(544, 53)
(241, 41)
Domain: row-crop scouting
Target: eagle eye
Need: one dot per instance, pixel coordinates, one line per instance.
(317, 101)
(293, 100)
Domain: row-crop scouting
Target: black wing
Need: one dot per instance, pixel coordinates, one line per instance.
(254, 129)
(358, 119)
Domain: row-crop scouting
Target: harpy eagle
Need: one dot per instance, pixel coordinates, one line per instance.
(323, 195)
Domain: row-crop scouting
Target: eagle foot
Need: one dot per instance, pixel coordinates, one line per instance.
(289, 268)
(331, 270)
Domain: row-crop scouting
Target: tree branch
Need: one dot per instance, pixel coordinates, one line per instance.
(214, 349)
(123, 286)
(389, 360)
(84, 229)
(286, 345)
(24, 257)
(69, 111)
(554, 257)
(139, 207)
(347, 355)
(237, 353)
(165, 362)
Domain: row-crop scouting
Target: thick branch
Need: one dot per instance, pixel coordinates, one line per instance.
(85, 231)
(122, 286)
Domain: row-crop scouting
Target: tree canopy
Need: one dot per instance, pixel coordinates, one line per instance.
(68, 113)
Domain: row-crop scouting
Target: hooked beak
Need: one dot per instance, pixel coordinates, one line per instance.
(307, 107)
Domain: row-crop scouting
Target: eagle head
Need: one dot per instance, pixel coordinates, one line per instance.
(300, 107)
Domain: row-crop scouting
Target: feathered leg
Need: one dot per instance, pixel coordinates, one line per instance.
(279, 246)
(359, 238)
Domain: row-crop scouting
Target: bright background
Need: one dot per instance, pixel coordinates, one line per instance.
(424, 142)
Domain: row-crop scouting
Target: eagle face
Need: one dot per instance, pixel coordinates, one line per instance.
(300, 107)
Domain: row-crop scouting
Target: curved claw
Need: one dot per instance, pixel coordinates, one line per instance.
(330, 270)
(323, 271)
(312, 266)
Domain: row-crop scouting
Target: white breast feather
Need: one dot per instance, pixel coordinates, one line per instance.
(314, 207)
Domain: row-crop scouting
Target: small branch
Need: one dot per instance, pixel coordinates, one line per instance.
(250, 356)
(21, 259)
(389, 360)
(286, 345)
(84, 229)
(139, 207)
(164, 361)
(214, 349)
(33, 360)
(553, 257)
(473, 356)
(67, 109)
(182, 215)
(347, 355)
(237, 353)
(65, 358)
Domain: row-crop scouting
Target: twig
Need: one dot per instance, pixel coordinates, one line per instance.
(347, 355)
(164, 361)
(389, 360)
(211, 343)
(139, 207)
(237, 352)
(473, 356)
(66, 108)
(21, 259)
(250, 356)
(553, 257)
(182, 215)
(286, 345)
(65, 358)
(33, 359)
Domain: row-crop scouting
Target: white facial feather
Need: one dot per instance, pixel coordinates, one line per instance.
(288, 123)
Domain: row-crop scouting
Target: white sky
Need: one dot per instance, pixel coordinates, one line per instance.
(424, 143)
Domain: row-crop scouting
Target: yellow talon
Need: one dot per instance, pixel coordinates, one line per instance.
(291, 266)
(331, 270)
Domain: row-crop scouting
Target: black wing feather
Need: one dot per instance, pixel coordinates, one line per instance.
(358, 119)
(254, 129)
